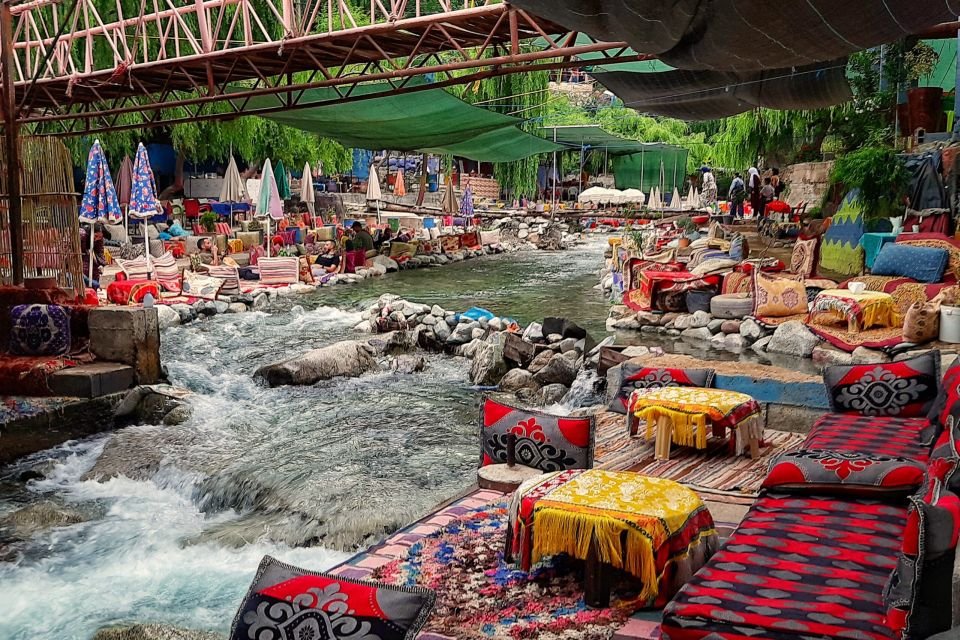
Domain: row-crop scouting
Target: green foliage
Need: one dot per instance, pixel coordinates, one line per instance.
(209, 222)
(880, 176)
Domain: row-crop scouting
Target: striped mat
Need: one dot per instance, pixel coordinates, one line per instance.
(712, 470)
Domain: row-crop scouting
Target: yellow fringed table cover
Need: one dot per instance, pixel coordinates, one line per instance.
(653, 528)
(691, 409)
(861, 310)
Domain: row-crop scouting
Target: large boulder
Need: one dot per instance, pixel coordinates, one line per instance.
(793, 338)
(393, 343)
(552, 394)
(540, 361)
(559, 370)
(40, 516)
(153, 632)
(349, 358)
(463, 333)
(488, 364)
(167, 317)
(517, 379)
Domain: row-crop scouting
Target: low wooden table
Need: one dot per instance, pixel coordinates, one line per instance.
(681, 415)
(861, 311)
(654, 529)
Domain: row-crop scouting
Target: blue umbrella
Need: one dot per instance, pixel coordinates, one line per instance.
(99, 201)
(143, 194)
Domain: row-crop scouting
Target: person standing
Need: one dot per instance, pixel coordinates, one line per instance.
(753, 187)
(776, 182)
(736, 196)
(708, 184)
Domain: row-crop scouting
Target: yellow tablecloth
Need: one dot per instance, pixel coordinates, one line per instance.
(640, 524)
(692, 408)
(861, 310)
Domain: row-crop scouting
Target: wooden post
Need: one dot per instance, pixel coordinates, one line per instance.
(11, 143)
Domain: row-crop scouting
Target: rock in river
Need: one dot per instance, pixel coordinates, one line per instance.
(349, 358)
(153, 632)
(559, 370)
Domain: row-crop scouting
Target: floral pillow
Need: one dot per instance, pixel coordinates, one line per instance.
(287, 603)
(39, 330)
(542, 441)
(843, 472)
(804, 258)
(907, 389)
(775, 297)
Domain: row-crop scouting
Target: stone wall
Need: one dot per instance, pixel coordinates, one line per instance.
(807, 182)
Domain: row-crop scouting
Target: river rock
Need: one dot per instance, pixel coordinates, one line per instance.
(734, 341)
(668, 318)
(463, 333)
(619, 311)
(540, 361)
(349, 358)
(862, 355)
(568, 344)
(364, 326)
(39, 516)
(559, 370)
(185, 311)
(496, 324)
(700, 319)
(260, 301)
(177, 415)
(533, 332)
(683, 322)
(236, 307)
(437, 311)
(451, 320)
(715, 325)
(517, 379)
(488, 364)
(827, 355)
(393, 343)
(647, 318)
(698, 333)
(222, 306)
(552, 393)
(442, 331)
(636, 351)
(153, 632)
(760, 346)
(793, 338)
(166, 317)
(750, 329)
(387, 263)
(478, 333)
(468, 350)
(717, 340)
(430, 320)
(408, 364)
(730, 326)
(554, 338)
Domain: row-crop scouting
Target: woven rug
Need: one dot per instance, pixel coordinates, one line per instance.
(480, 596)
(713, 470)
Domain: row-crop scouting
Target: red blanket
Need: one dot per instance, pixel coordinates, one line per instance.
(124, 292)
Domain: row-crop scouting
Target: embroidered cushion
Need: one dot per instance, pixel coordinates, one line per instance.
(804, 258)
(136, 269)
(543, 441)
(739, 249)
(881, 435)
(921, 323)
(907, 388)
(625, 379)
(39, 330)
(923, 264)
(202, 286)
(843, 472)
(947, 402)
(288, 603)
(775, 297)
(918, 593)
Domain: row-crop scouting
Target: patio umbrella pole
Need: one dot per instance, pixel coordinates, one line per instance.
(90, 274)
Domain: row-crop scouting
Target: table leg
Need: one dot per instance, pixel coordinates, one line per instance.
(664, 436)
(754, 448)
(597, 579)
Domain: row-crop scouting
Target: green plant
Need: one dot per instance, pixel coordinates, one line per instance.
(879, 175)
(686, 225)
(920, 61)
(209, 222)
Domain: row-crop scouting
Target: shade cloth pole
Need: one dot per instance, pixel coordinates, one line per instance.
(553, 187)
(641, 172)
(674, 170)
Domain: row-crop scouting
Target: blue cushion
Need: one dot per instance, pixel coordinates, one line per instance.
(923, 264)
(39, 330)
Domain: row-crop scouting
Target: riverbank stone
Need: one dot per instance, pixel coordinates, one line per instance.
(862, 355)
(750, 330)
(167, 317)
(517, 379)
(559, 370)
(153, 632)
(697, 333)
(552, 393)
(349, 358)
(540, 361)
(793, 338)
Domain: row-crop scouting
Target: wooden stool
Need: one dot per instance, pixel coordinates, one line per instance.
(504, 477)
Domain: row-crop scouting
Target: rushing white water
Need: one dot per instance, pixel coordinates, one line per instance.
(131, 564)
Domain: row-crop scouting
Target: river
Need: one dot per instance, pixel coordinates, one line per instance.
(307, 474)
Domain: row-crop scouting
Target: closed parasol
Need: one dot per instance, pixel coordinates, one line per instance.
(99, 201)
(143, 195)
(449, 204)
(124, 180)
(373, 190)
(232, 190)
(282, 180)
(269, 204)
(306, 188)
(399, 188)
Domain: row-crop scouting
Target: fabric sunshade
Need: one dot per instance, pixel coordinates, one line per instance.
(746, 35)
(429, 120)
(705, 95)
(592, 136)
(665, 170)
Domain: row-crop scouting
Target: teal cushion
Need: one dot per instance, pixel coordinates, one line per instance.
(923, 264)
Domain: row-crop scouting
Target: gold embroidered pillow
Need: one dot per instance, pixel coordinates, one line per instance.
(775, 297)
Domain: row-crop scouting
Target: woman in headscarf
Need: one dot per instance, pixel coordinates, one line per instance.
(708, 185)
(754, 184)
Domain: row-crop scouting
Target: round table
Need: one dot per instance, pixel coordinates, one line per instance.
(681, 415)
(654, 529)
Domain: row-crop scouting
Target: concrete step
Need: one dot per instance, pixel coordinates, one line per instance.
(92, 380)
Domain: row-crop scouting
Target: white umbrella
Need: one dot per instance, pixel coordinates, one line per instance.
(675, 200)
(232, 189)
(634, 196)
(373, 189)
(306, 188)
(269, 205)
(690, 196)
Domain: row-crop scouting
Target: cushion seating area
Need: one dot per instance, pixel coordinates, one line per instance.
(840, 555)
(882, 435)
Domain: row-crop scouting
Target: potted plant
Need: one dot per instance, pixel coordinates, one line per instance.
(209, 222)
(924, 104)
(687, 228)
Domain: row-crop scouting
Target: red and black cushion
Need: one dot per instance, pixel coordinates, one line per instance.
(947, 402)
(287, 603)
(906, 389)
(843, 473)
(886, 436)
(919, 594)
(635, 376)
(542, 441)
(796, 567)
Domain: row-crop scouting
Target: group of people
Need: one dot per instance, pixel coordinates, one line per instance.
(761, 190)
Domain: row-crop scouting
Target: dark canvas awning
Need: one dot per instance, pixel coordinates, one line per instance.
(704, 95)
(593, 136)
(746, 35)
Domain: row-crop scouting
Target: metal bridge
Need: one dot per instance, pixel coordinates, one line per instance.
(78, 69)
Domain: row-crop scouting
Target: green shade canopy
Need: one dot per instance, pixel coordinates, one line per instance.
(429, 120)
(592, 136)
(665, 168)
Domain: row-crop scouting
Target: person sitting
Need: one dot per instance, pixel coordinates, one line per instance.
(386, 235)
(96, 254)
(328, 262)
(362, 239)
(209, 253)
(405, 235)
